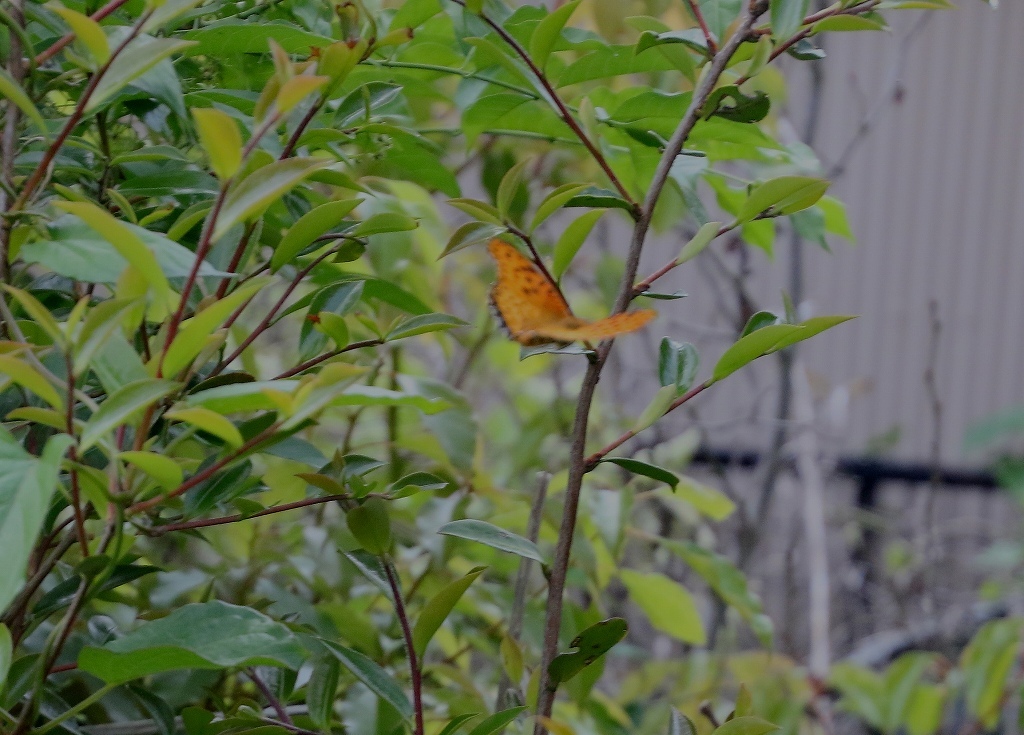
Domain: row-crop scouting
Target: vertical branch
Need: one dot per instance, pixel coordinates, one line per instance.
(272, 700)
(809, 469)
(577, 462)
(935, 406)
(414, 666)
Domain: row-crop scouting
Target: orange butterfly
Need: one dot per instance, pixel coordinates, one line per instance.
(533, 310)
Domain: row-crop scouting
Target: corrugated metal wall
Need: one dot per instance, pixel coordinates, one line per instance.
(935, 197)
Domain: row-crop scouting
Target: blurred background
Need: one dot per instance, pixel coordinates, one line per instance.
(914, 400)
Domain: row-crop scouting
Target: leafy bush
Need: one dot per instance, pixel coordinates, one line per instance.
(254, 476)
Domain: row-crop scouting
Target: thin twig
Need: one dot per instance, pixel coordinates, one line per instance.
(272, 700)
(414, 666)
(224, 520)
(560, 107)
(577, 463)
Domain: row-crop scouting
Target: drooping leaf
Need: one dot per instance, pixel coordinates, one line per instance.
(372, 675)
(26, 485)
(437, 609)
(644, 468)
(122, 406)
(264, 186)
(490, 535)
(667, 604)
(209, 635)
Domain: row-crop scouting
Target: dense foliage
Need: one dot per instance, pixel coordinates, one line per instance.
(255, 473)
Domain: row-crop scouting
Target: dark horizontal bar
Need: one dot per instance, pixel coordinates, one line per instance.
(865, 468)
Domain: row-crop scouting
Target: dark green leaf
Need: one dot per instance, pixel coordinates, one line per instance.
(677, 364)
(210, 635)
(589, 646)
(643, 468)
(497, 722)
(372, 675)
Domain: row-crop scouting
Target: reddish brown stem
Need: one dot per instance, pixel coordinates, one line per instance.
(414, 667)
(204, 474)
(76, 116)
(592, 461)
(69, 37)
(699, 17)
(561, 107)
(225, 520)
(302, 367)
(645, 284)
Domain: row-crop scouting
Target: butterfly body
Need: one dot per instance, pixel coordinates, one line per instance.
(534, 312)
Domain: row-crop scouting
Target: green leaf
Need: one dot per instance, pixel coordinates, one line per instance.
(508, 187)
(643, 468)
(372, 675)
(787, 17)
(456, 723)
(548, 31)
(210, 422)
(719, 14)
(75, 250)
(677, 364)
(220, 138)
(26, 485)
(752, 346)
(849, 23)
(86, 30)
(423, 324)
(209, 635)
(164, 12)
(727, 582)
(478, 210)
(121, 406)
(438, 608)
(713, 503)
(29, 378)
(594, 197)
(590, 645)
(264, 186)
(555, 201)
(471, 233)
(193, 334)
(805, 51)
(141, 55)
(322, 691)
(497, 722)
(657, 408)
(414, 13)
(748, 725)
(572, 240)
(384, 222)
(164, 470)
(370, 524)
(415, 482)
(759, 320)
(781, 196)
(6, 651)
(490, 535)
(680, 724)
(128, 244)
(667, 604)
(231, 37)
(698, 242)
(13, 91)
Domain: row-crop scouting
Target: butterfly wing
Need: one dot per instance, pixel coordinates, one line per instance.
(524, 299)
(577, 330)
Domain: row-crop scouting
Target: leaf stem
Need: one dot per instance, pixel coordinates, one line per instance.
(577, 462)
(225, 520)
(80, 707)
(561, 108)
(698, 16)
(414, 667)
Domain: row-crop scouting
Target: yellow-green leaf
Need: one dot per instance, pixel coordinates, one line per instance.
(29, 378)
(13, 91)
(164, 470)
(220, 138)
(264, 186)
(128, 244)
(297, 89)
(86, 30)
(667, 604)
(191, 338)
(209, 421)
